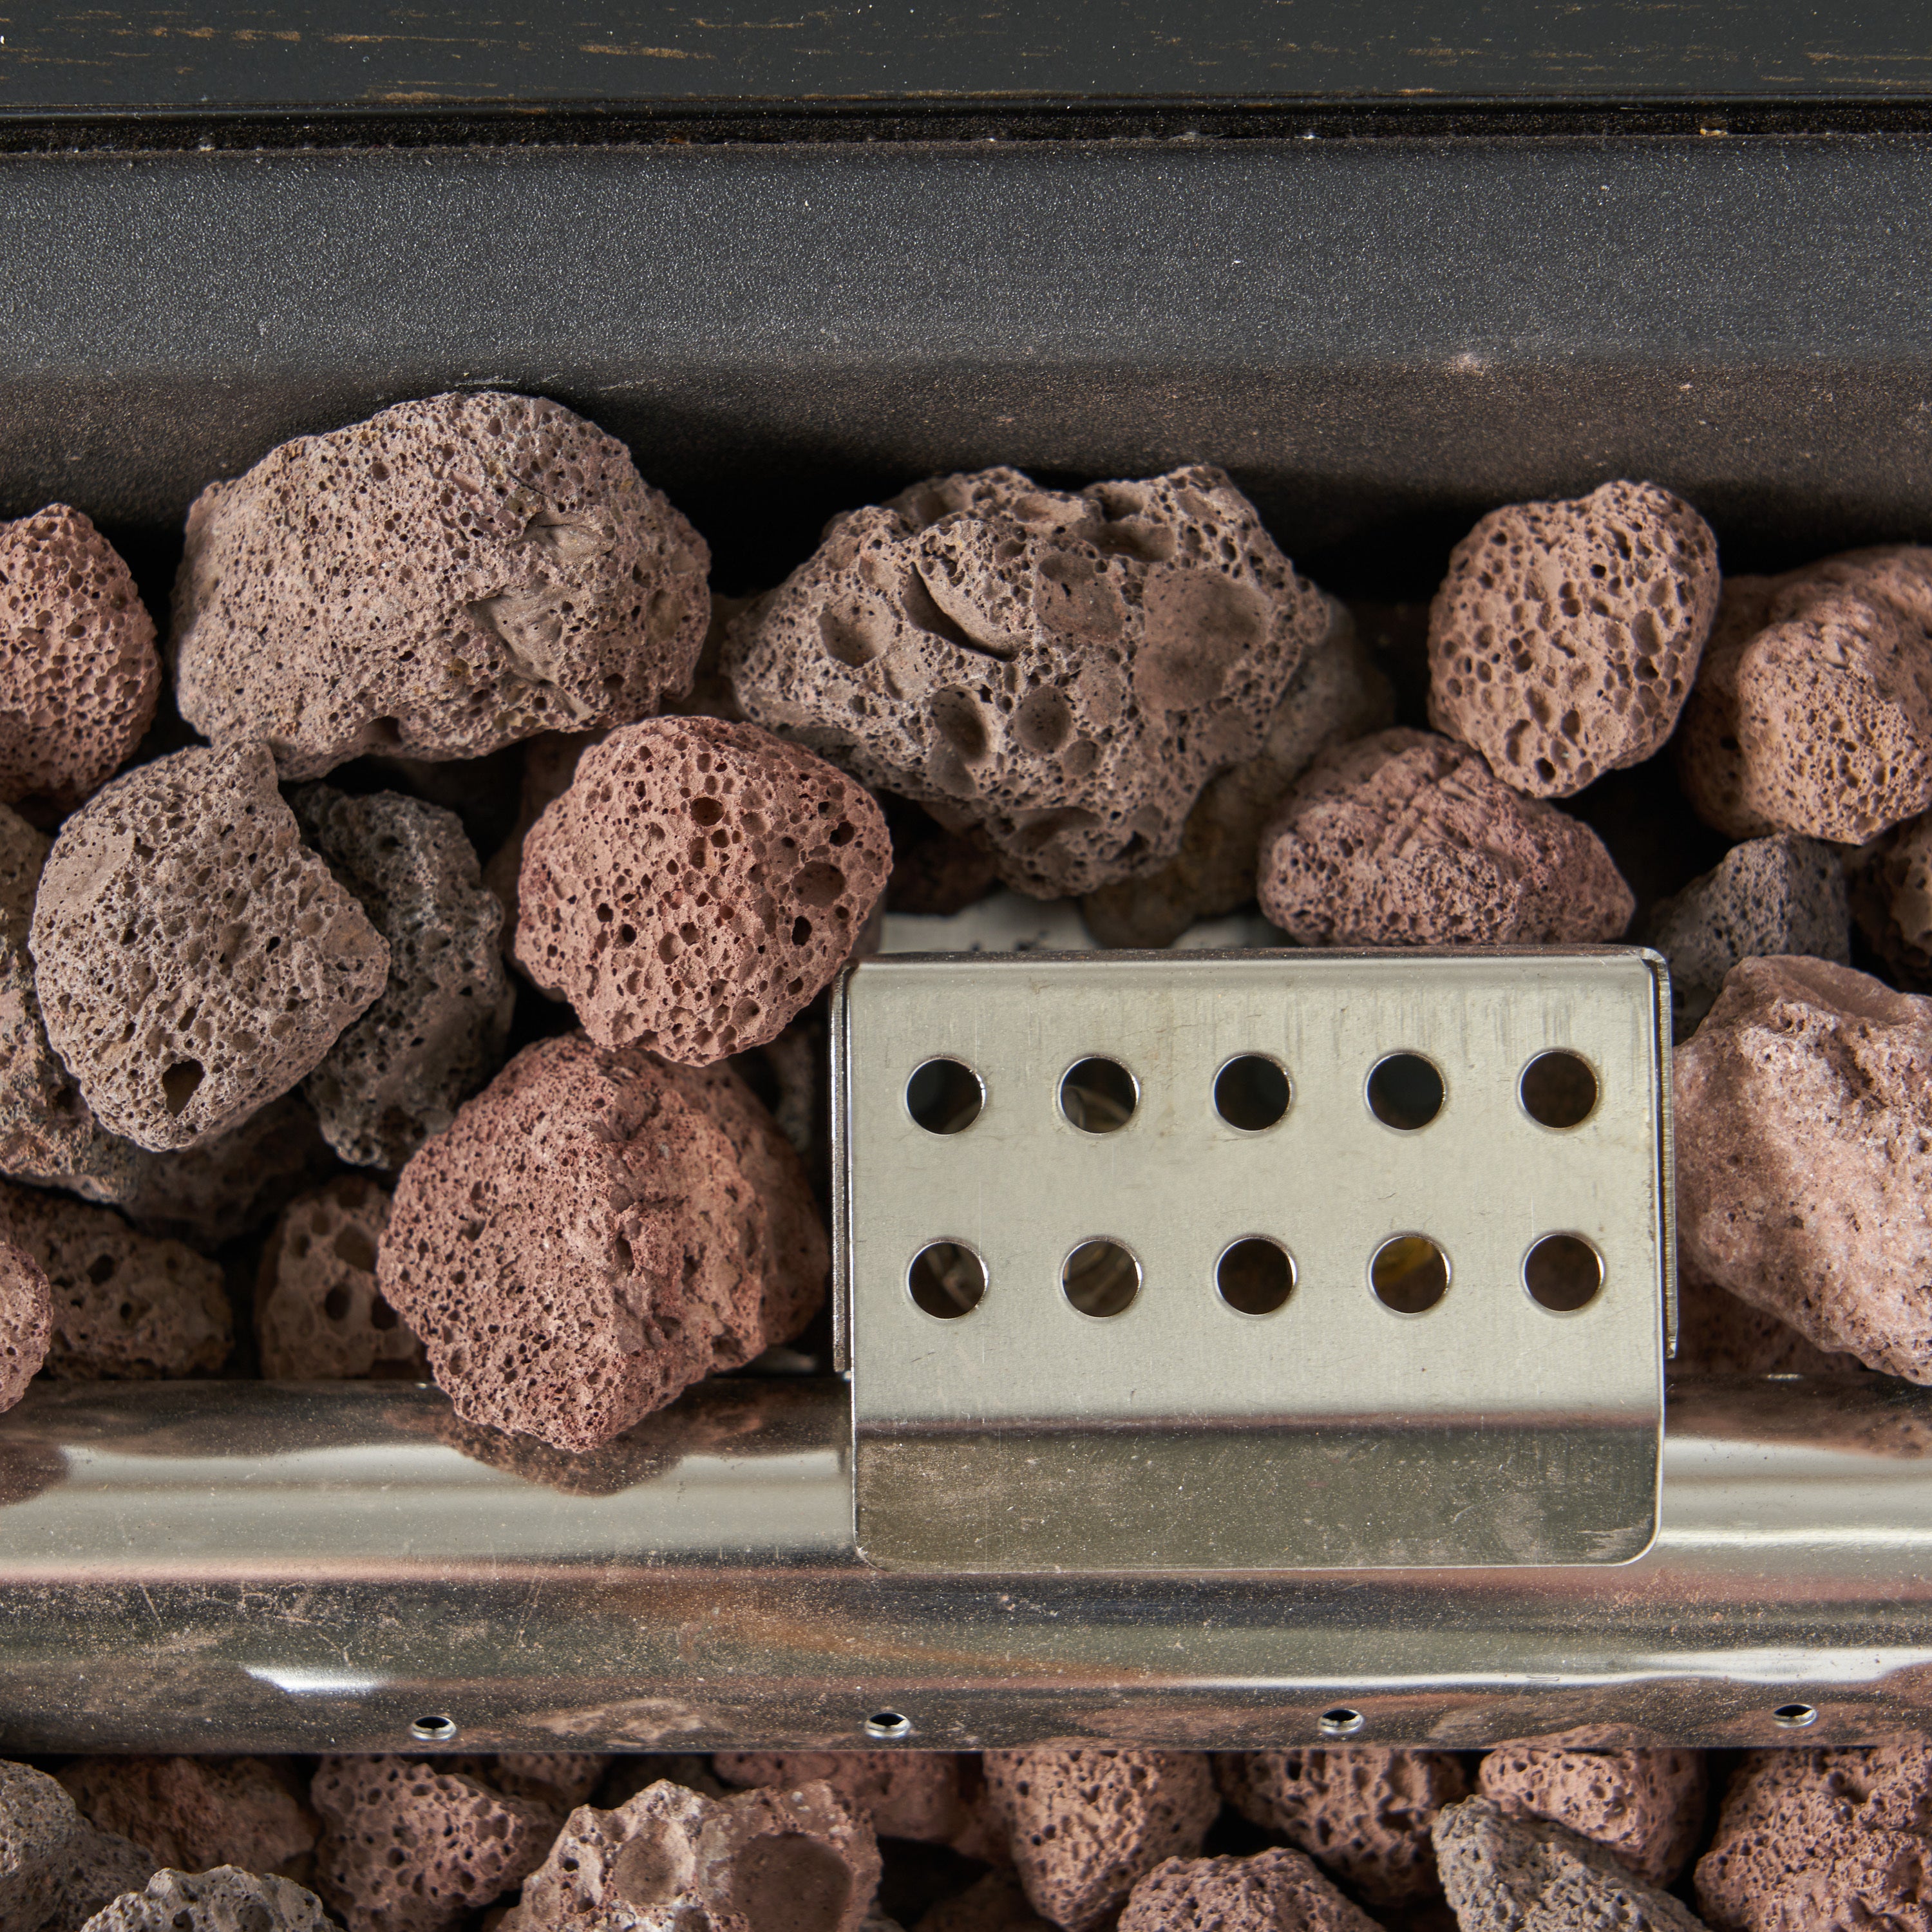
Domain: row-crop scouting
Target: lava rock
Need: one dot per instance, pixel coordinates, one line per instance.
(596, 1231)
(224, 1899)
(436, 1033)
(1710, 760)
(925, 1795)
(1768, 895)
(447, 578)
(699, 884)
(1271, 1891)
(559, 1781)
(1405, 839)
(56, 1870)
(1891, 886)
(1720, 1334)
(193, 1813)
(80, 675)
(1366, 1811)
(1646, 1806)
(1065, 671)
(26, 1321)
(1086, 1826)
(549, 763)
(193, 961)
(1803, 1139)
(994, 1903)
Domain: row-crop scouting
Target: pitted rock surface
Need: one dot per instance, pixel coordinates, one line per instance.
(193, 961)
(125, 1306)
(1086, 1826)
(926, 1796)
(1338, 694)
(1890, 884)
(224, 1899)
(596, 1231)
(436, 1032)
(993, 1904)
(1505, 1874)
(558, 1780)
(80, 675)
(1365, 1811)
(1563, 642)
(549, 763)
(319, 1314)
(1066, 671)
(1271, 1891)
(1803, 1137)
(1646, 1806)
(795, 1861)
(1769, 895)
(1823, 1838)
(1720, 1334)
(193, 1813)
(1406, 839)
(56, 1870)
(26, 1321)
(698, 884)
(407, 1848)
(1710, 760)
(449, 577)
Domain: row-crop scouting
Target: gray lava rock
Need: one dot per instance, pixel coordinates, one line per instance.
(55, 1869)
(224, 1899)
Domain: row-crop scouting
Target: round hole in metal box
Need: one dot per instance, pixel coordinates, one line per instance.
(434, 1730)
(1099, 1095)
(1795, 1717)
(1342, 1721)
(1558, 1090)
(1405, 1091)
(888, 1724)
(944, 1096)
(1254, 1276)
(1100, 1278)
(1409, 1274)
(1563, 1273)
(1251, 1093)
(946, 1279)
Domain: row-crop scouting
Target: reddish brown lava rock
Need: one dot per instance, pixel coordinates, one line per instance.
(407, 1848)
(319, 1314)
(224, 1899)
(1272, 1891)
(932, 1796)
(1823, 1840)
(1891, 888)
(1563, 641)
(125, 1306)
(195, 1812)
(26, 1321)
(1710, 761)
(1720, 1334)
(1086, 1826)
(450, 576)
(596, 1231)
(193, 961)
(794, 1861)
(1066, 671)
(1803, 1121)
(558, 1780)
(80, 675)
(1405, 839)
(1646, 1806)
(56, 1870)
(549, 763)
(698, 884)
(994, 1903)
(1366, 1812)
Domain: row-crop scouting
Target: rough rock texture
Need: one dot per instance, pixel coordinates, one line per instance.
(195, 1812)
(558, 1780)
(80, 675)
(796, 1860)
(1890, 883)
(1563, 642)
(1272, 1891)
(1646, 1806)
(995, 1903)
(224, 1899)
(449, 577)
(55, 1869)
(319, 1314)
(1505, 1874)
(1338, 694)
(1085, 1826)
(436, 1033)
(407, 1848)
(1823, 1840)
(193, 961)
(1405, 839)
(596, 1231)
(932, 1796)
(1768, 895)
(125, 1306)
(1066, 671)
(26, 1321)
(1709, 760)
(549, 763)
(1803, 1135)
(698, 884)
(1365, 1811)
(1720, 1334)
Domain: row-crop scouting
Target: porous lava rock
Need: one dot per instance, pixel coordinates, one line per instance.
(436, 1033)
(698, 884)
(1891, 886)
(992, 1902)
(1366, 1811)
(1276, 1891)
(1827, 1839)
(1065, 670)
(558, 1780)
(1506, 1874)
(1646, 1806)
(193, 1813)
(450, 576)
(406, 1847)
(193, 961)
(1710, 760)
(319, 1314)
(125, 1306)
(224, 1899)
(1338, 694)
(26, 1321)
(1565, 636)
(932, 1796)
(1720, 1334)
(799, 1860)
(56, 1869)
(1086, 1826)
(596, 1231)
(549, 764)
(80, 675)
(1405, 839)
(1803, 1139)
